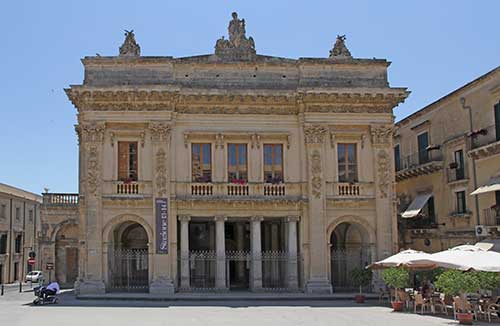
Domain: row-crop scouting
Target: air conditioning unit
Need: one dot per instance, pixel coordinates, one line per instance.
(481, 231)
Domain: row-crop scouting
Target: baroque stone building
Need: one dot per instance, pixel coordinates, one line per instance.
(448, 168)
(233, 170)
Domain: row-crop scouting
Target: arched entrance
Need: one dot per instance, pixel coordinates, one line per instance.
(350, 249)
(128, 258)
(66, 253)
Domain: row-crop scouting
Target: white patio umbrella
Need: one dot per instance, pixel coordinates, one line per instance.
(465, 257)
(402, 258)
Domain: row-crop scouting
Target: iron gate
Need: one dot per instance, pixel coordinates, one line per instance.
(129, 270)
(343, 261)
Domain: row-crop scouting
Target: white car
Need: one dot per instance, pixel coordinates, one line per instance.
(34, 276)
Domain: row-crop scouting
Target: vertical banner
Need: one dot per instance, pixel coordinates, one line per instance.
(161, 225)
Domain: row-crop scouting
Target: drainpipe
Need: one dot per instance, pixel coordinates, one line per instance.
(474, 174)
(24, 243)
(9, 251)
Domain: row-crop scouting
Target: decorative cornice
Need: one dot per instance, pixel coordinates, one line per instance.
(315, 134)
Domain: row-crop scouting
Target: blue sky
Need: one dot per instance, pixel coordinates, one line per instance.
(435, 47)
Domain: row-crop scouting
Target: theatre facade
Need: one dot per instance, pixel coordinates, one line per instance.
(233, 170)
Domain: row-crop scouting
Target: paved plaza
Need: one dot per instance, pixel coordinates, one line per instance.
(16, 309)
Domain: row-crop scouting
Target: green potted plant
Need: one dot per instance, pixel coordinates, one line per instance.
(458, 283)
(361, 277)
(397, 278)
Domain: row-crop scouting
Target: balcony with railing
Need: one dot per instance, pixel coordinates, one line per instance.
(456, 173)
(127, 188)
(59, 199)
(485, 142)
(491, 216)
(250, 190)
(420, 163)
(347, 190)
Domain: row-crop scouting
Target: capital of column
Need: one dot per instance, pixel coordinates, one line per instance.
(292, 218)
(220, 218)
(257, 218)
(184, 218)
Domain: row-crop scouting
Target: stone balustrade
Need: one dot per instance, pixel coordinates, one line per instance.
(127, 188)
(239, 190)
(351, 190)
(60, 199)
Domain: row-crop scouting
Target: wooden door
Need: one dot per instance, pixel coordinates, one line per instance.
(71, 265)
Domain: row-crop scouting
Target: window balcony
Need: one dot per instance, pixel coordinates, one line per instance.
(420, 163)
(250, 190)
(484, 142)
(456, 174)
(127, 188)
(346, 190)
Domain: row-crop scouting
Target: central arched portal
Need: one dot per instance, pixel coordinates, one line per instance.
(350, 249)
(128, 259)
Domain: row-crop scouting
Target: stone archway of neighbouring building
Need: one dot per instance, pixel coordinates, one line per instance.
(351, 246)
(128, 251)
(66, 254)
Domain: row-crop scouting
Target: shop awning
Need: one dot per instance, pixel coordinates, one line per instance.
(493, 185)
(416, 205)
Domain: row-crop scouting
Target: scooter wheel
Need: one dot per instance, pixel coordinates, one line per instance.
(56, 301)
(36, 302)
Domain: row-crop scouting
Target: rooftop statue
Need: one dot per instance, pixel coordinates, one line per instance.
(340, 49)
(238, 46)
(130, 48)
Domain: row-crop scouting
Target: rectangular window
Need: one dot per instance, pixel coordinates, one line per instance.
(429, 211)
(18, 243)
(3, 244)
(237, 162)
(459, 160)
(127, 161)
(3, 211)
(497, 198)
(273, 163)
(201, 162)
(497, 121)
(30, 215)
(423, 143)
(397, 157)
(18, 213)
(460, 199)
(347, 162)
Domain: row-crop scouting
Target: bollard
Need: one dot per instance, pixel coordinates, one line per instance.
(20, 286)
(1, 291)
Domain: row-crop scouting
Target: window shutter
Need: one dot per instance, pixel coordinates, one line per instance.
(123, 153)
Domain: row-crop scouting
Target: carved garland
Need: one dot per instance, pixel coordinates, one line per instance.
(315, 134)
(92, 170)
(316, 173)
(161, 171)
(159, 131)
(383, 173)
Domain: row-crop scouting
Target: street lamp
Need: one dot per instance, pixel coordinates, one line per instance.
(474, 175)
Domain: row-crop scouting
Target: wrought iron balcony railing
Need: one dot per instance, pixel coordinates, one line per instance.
(484, 136)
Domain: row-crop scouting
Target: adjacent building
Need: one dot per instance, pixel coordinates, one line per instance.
(19, 229)
(447, 160)
(232, 170)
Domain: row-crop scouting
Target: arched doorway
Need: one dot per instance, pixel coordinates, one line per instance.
(128, 259)
(66, 261)
(350, 249)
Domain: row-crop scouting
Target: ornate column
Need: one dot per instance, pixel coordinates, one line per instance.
(318, 270)
(161, 282)
(240, 239)
(220, 251)
(256, 248)
(386, 220)
(184, 221)
(292, 268)
(91, 278)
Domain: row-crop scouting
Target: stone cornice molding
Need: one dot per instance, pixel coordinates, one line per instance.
(90, 132)
(315, 134)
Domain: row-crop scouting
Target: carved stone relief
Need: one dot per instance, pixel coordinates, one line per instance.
(383, 168)
(381, 135)
(92, 170)
(315, 134)
(159, 131)
(316, 173)
(161, 171)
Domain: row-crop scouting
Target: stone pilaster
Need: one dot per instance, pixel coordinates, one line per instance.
(161, 282)
(184, 234)
(91, 278)
(318, 270)
(292, 268)
(220, 252)
(256, 252)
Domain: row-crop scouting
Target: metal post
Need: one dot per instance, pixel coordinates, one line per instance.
(474, 174)
(20, 286)
(1, 291)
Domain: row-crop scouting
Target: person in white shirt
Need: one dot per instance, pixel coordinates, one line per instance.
(51, 289)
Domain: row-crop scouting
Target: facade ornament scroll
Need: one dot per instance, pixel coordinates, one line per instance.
(316, 179)
(383, 168)
(381, 135)
(161, 173)
(159, 131)
(130, 48)
(315, 134)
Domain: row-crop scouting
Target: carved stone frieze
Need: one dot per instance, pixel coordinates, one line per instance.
(160, 131)
(315, 134)
(383, 169)
(90, 132)
(161, 173)
(93, 179)
(316, 179)
(381, 134)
